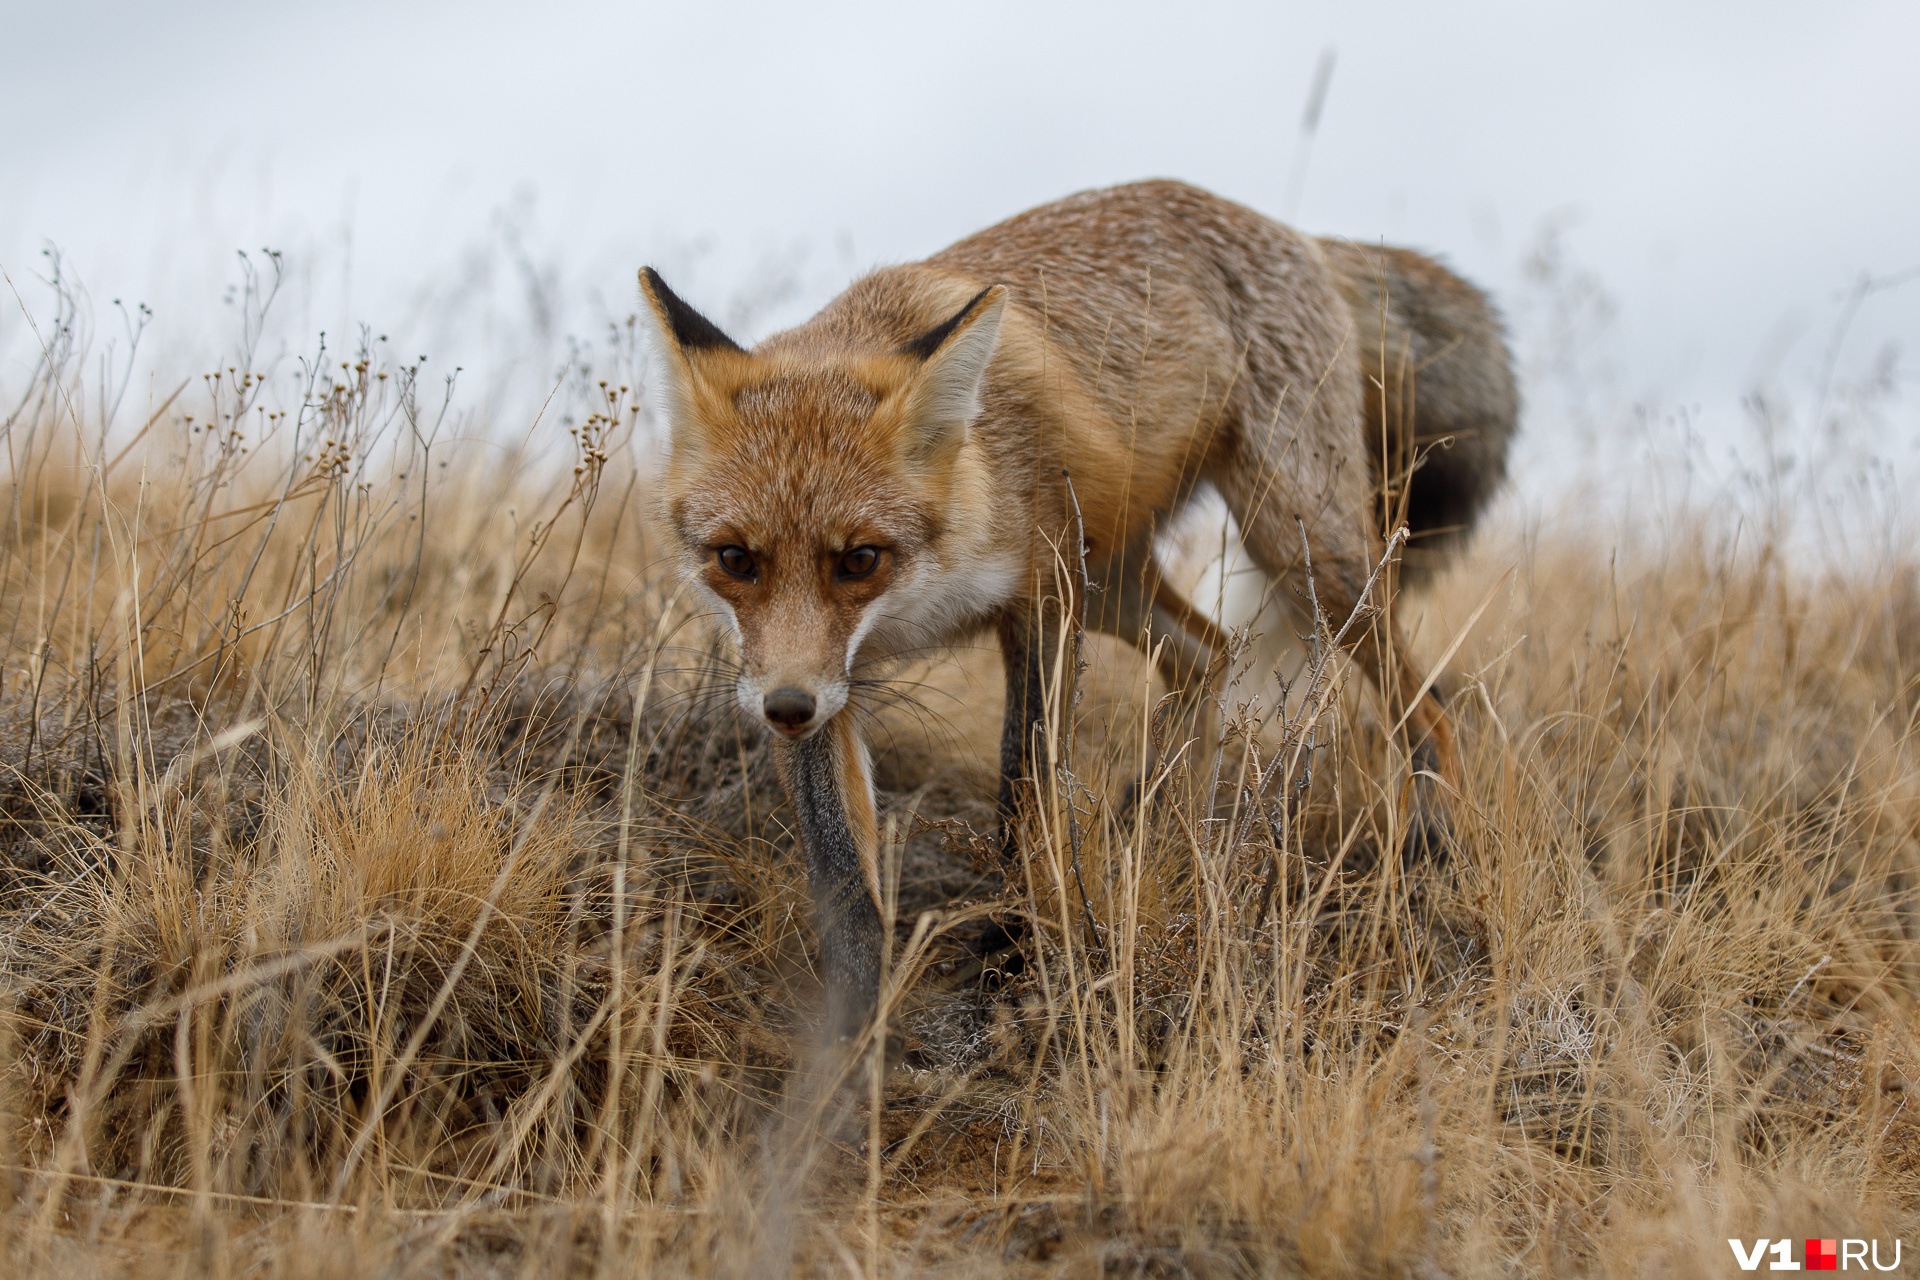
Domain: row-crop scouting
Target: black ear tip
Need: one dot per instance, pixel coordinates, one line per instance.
(691, 330)
(929, 342)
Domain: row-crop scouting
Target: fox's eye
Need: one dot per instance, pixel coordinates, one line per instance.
(859, 562)
(738, 561)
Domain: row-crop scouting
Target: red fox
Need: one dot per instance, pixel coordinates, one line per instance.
(903, 469)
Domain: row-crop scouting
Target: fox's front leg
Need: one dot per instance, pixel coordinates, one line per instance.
(829, 781)
(1026, 650)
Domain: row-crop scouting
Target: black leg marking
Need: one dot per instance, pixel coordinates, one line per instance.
(1024, 653)
(817, 778)
(1429, 839)
(1024, 649)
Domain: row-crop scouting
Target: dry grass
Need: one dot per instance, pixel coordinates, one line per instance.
(388, 889)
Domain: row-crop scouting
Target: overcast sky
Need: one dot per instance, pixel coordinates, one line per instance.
(1725, 171)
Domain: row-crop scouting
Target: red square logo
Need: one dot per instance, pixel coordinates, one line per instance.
(1823, 1255)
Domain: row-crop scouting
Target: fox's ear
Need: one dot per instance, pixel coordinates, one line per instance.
(944, 396)
(680, 336)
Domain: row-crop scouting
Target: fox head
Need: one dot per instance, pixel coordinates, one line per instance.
(819, 489)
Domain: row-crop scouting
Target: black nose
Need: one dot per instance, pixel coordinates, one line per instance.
(789, 707)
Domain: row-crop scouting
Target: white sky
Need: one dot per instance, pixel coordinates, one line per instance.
(1725, 170)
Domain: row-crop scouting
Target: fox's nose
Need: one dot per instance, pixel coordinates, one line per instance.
(789, 708)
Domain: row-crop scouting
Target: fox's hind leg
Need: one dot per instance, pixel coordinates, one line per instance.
(1273, 512)
(1429, 740)
(829, 781)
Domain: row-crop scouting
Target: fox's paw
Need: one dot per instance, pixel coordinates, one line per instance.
(1430, 837)
(994, 954)
(1429, 841)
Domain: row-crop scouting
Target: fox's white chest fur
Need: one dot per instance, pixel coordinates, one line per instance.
(939, 603)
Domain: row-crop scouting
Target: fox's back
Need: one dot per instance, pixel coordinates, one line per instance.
(1149, 287)
(1147, 326)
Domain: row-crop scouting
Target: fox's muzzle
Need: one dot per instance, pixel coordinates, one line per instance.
(788, 709)
(794, 707)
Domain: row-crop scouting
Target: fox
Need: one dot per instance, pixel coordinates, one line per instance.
(910, 468)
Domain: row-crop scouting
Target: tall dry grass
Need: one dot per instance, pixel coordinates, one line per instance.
(388, 888)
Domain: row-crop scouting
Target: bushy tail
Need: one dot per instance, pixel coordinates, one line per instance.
(1440, 392)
